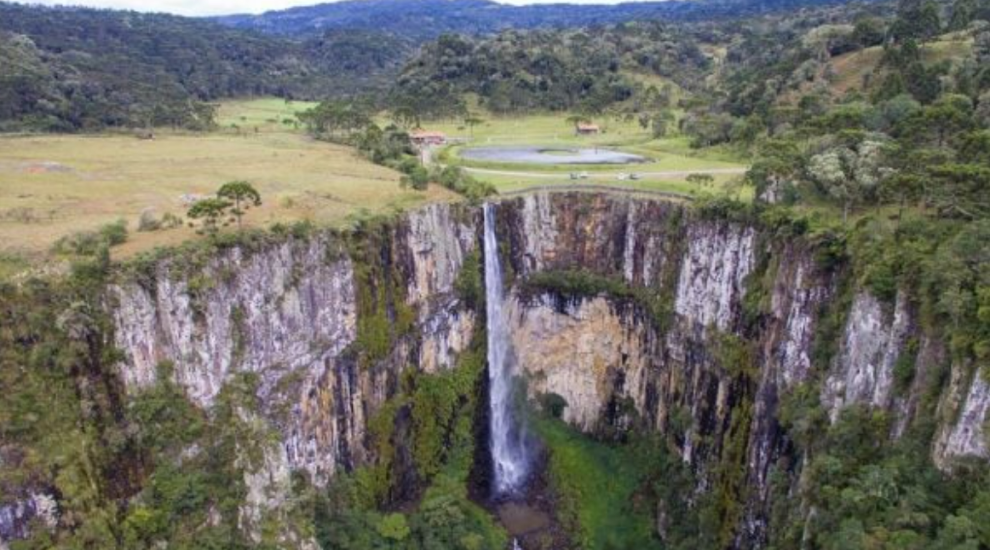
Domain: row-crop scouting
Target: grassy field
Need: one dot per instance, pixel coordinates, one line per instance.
(723, 184)
(53, 186)
(263, 115)
(671, 159)
(853, 70)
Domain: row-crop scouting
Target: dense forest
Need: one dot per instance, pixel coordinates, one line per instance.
(67, 69)
(427, 19)
(70, 69)
(585, 70)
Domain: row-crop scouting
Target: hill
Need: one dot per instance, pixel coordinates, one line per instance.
(519, 71)
(422, 20)
(70, 69)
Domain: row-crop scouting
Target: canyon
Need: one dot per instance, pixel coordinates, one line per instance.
(705, 326)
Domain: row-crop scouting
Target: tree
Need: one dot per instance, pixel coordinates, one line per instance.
(950, 114)
(775, 169)
(974, 147)
(472, 120)
(210, 211)
(849, 174)
(661, 122)
(394, 527)
(241, 193)
(916, 19)
(869, 31)
(576, 119)
(407, 116)
(416, 177)
(960, 190)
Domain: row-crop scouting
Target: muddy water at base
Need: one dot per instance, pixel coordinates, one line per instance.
(521, 519)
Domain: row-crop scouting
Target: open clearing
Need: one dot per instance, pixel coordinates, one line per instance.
(671, 159)
(266, 114)
(52, 186)
(861, 70)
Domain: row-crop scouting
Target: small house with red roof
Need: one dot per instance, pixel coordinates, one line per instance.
(422, 137)
(587, 129)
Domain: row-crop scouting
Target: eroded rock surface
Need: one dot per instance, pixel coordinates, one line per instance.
(287, 311)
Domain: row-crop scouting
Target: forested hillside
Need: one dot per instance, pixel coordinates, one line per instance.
(588, 70)
(426, 19)
(73, 69)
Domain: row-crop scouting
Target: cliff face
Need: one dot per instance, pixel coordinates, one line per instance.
(612, 362)
(289, 311)
(599, 354)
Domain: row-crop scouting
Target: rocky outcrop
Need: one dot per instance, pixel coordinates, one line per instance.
(872, 343)
(272, 311)
(284, 312)
(592, 352)
(965, 435)
(437, 238)
(614, 363)
(17, 517)
(287, 310)
(799, 292)
(711, 283)
(625, 237)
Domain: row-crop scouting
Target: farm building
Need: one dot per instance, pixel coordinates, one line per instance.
(425, 137)
(586, 129)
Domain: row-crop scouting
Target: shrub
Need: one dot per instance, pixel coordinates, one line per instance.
(88, 243)
(417, 178)
(148, 221)
(114, 233)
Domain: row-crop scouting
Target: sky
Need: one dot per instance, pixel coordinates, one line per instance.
(223, 7)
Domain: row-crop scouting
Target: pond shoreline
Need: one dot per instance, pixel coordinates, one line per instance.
(550, 155)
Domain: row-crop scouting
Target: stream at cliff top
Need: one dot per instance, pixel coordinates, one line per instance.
(509, 448)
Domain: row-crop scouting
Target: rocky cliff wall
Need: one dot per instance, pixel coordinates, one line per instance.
(721, 321)
(288, 312)
(612, 360)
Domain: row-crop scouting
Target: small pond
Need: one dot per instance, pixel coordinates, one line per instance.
(550, 155)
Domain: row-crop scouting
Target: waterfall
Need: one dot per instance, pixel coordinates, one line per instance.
(508, 439)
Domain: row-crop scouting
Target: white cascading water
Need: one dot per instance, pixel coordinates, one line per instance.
(508, 440)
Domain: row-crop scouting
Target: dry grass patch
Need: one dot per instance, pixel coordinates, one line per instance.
(53, 186)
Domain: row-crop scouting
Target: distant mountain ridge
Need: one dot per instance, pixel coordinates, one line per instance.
(423, 20)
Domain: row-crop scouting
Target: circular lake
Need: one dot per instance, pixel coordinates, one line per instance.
(550, 155)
